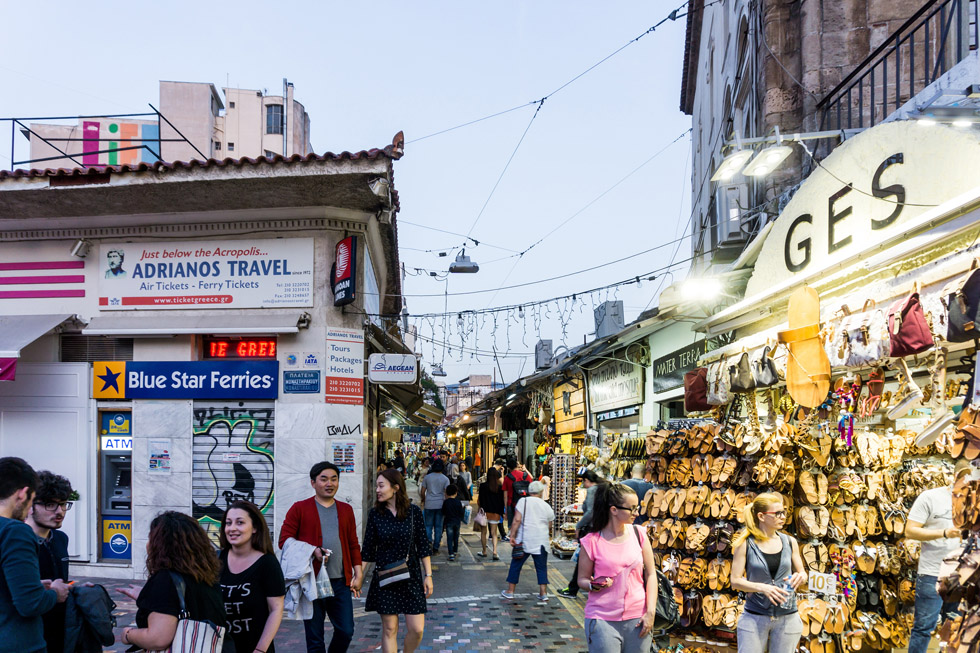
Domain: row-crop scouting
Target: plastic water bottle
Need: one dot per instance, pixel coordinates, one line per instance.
(789, 588)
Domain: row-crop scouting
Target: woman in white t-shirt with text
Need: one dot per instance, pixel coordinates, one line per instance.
(531, 529)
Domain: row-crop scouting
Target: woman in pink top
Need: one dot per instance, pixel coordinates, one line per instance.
(615, 562)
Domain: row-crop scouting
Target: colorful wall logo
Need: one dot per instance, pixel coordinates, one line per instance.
(127, 138)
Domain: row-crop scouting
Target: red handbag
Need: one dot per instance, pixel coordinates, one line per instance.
(696, 391)
(908, 328)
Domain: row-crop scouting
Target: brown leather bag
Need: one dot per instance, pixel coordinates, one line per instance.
(909, 330)
(696, 391)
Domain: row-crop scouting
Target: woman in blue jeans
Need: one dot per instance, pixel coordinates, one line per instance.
(531, 527)
(768, 567)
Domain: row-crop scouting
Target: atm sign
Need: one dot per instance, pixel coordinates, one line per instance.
(116, 444)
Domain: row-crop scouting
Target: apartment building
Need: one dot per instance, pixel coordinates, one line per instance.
(195, 121)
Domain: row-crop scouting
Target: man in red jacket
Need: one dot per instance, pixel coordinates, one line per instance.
(328, 525)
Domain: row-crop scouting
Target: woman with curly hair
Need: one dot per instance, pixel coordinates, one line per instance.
(251, 579)
(177, 545)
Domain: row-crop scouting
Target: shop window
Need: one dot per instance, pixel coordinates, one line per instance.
(88, 349)
(233, 459)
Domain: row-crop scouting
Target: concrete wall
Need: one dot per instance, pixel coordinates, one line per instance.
(192, 108)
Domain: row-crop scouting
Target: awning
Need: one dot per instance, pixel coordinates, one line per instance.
(159, 323)
(18, 331)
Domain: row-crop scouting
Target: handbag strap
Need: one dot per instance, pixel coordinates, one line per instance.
(181, 588)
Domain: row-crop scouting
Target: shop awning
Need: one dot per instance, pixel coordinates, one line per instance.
(158, 323)
(18, 331)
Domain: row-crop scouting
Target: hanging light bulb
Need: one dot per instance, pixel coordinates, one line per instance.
(459, 319)
(520, 311)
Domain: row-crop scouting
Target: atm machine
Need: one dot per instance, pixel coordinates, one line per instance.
(116, 485)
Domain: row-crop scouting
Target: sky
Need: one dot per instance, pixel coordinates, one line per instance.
(600, 170)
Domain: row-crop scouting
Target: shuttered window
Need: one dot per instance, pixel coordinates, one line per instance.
(88, 349)
(233, 459)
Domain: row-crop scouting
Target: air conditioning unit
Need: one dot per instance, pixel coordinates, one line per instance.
(542, 355)
(609, 319)
(729, 198)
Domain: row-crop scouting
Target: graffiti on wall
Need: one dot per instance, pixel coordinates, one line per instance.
(233, 460)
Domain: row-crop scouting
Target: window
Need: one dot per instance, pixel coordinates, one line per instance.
(231, 147)
(88, 349)
(273, 119)
(217, 145)
(231, 105)
(269, 154)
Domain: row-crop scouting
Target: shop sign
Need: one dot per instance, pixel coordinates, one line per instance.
(617, 414)
(615, 384)
(823, 583)
(344, 374)
(393, 368)
(343, 275)
(117, 537)
(863, 194)
(272, 273)
(569, 398)
(301, 381)
(185, 380)
(669, 370)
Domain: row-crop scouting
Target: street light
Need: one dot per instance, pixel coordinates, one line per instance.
(463, 264)
(733, 162)
(768, 159)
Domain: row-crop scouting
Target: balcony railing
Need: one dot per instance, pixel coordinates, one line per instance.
(937, 37)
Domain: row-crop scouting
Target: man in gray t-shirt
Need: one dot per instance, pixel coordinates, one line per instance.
(931, 522)
(330, 526)
(432, 489)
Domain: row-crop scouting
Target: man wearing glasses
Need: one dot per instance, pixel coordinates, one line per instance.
(45, 518)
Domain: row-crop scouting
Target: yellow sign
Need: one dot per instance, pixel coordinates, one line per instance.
(117, 537)
(109, 380)
(566, 443)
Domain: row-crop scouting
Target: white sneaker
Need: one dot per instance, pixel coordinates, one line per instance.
(542, 598)
(942, 418)
(506, 594)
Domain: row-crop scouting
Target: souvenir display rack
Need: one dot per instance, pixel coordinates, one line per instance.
(562, 496)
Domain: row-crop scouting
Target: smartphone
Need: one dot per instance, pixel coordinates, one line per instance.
(600, 581)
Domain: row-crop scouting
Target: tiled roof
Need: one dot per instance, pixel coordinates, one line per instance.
(692, 47)
(393, 151)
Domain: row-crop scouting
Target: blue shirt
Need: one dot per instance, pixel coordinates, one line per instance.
(22, 597)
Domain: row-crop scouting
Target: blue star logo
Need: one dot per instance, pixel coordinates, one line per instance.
(109, 380)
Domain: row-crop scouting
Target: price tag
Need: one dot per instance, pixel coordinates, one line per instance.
(823, 583)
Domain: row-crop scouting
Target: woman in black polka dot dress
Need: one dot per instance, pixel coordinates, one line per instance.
(395, 529)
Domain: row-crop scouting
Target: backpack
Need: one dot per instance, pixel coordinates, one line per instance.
(519, 489)
(668, 615)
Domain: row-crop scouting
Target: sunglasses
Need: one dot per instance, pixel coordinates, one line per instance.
(778, 513)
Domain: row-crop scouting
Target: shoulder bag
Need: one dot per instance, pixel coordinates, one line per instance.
(193, 636)
(518, 551)
(908, 327)
(696, 391)
(741, 375)
(719, 383)
(764, 370)
(668, 614)
(397, 572)
(963, 303)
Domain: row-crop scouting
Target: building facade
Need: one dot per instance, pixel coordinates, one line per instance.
(186, 335)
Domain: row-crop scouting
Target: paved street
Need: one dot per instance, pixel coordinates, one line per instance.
(466, 612)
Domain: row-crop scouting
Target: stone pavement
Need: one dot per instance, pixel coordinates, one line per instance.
(466, 612)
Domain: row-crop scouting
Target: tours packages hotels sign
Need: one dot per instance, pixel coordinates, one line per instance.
(615, 384)
(268, 273)
(185, 380)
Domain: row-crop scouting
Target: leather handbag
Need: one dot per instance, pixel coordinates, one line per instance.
(741, 374)
(696, 390)
(859, 339)
(193, 636)
(719, 383)
(907, 327)
(963, 304)
(764, 370)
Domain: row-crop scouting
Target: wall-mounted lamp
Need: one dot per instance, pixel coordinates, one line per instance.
(733, 163)
(81, 248)
(768, 158)
(962, 117)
